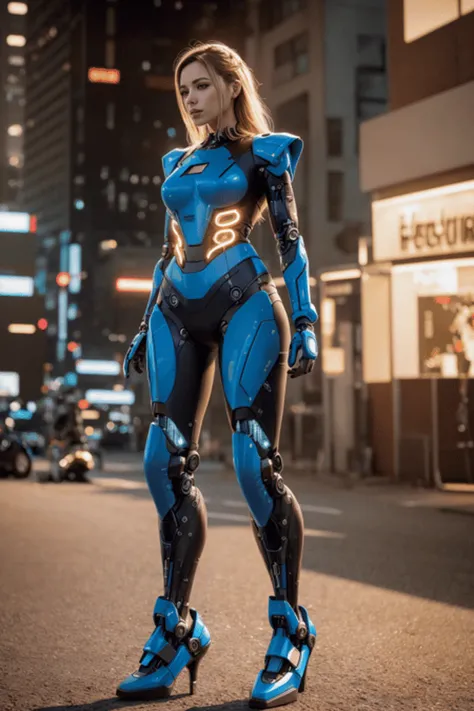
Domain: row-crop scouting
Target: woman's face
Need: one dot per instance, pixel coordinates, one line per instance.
(200, 96)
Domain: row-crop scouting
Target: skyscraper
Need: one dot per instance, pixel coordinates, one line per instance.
(12, 99)
(101, 112)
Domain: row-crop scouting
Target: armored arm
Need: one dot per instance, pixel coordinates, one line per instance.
(136, 354)
(160, 268)
(277, 156)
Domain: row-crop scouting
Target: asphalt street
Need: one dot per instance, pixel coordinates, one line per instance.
(388, 578)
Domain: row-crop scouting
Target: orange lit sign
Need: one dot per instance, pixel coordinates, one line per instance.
(178, 245)
(83, 404)
(42, 324)
(125, 284)
(100, 75)
(72, 346)
(63, 279)
(33, 223)
(225, 237)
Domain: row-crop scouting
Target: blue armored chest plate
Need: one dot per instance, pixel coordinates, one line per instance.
(203, 182)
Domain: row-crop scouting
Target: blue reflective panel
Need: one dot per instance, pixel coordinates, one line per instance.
(70, 379)
(98, 367)
(21, 415)
(14, 222)
(110, 397)
(72, 312)
(75, 267)
(16, 285)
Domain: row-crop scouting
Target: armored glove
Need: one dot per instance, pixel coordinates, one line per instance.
(136, 354)
(303, 348)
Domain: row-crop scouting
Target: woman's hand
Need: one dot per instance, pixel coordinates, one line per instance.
(303, 351)
(136, 354)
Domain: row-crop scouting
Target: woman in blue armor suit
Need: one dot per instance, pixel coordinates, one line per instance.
(213, 300)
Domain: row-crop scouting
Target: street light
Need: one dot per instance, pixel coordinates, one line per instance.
(63, 279)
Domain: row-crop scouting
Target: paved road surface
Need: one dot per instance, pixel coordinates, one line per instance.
(388, 580)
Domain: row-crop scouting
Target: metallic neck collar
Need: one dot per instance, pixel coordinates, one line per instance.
(219, 138)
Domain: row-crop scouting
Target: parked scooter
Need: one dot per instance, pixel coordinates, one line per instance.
(73, 464)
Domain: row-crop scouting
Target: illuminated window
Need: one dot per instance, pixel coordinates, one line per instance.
(110, 53)
(53, 32)
(123, 202)
(15, 130)
(145, 179)
(110, 116)
(14, 161)
(124, 174)
(157, 124)
(110, 21)
(424, 16)
(146, 66)
(134, 179)
(17, 8)
(16, 40)
(16, 60)
(156, 180)
(104, 172)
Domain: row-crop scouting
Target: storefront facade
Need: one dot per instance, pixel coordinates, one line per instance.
(417, 291)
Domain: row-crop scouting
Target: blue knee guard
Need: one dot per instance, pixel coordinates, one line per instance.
(156, 463)
(167, 652)
(287, 657)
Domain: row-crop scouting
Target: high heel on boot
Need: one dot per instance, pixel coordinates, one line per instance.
(168, 651)
(193, 670)
(286, 661)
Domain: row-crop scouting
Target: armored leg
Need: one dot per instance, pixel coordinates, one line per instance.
(277, 523)
(255, 351)
(179, 391)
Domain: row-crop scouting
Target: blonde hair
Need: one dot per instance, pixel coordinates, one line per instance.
(224, 65)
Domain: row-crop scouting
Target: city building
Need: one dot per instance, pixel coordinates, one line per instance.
(321, 65)
(322, 69)
(12, 100)
(417, 163)
(100, 114)
(22, 321)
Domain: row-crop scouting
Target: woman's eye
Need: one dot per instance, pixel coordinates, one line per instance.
(203, 86)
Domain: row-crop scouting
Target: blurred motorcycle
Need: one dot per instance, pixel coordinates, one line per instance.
(15, 457)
